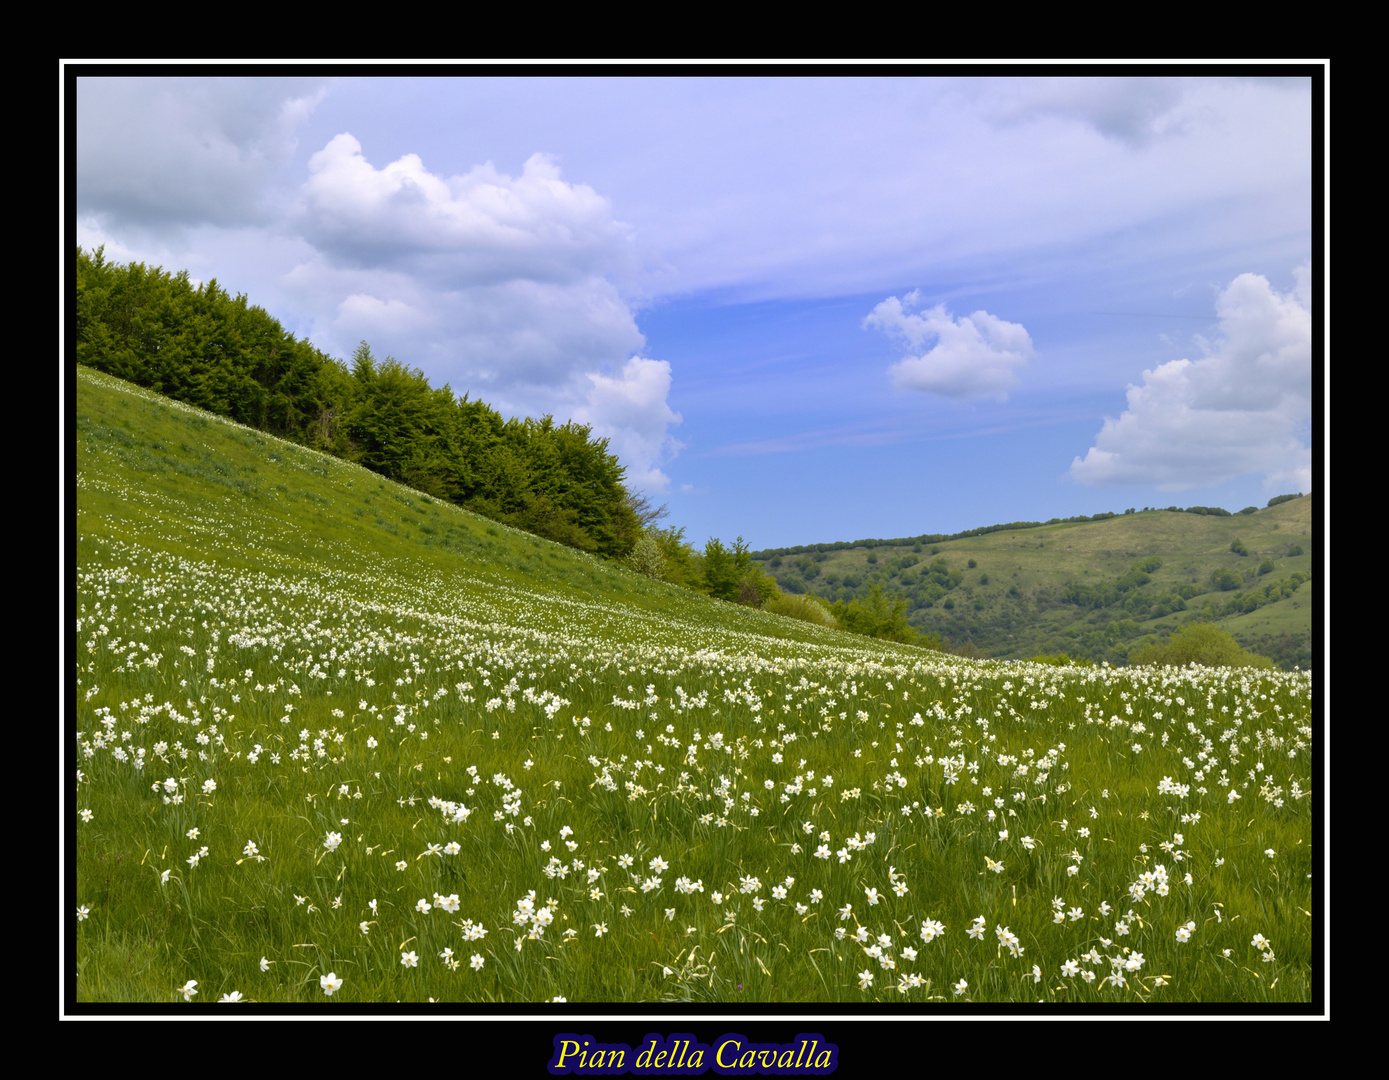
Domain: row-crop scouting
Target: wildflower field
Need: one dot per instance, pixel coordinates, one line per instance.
(338, 741)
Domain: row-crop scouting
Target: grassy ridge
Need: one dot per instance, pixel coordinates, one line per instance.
(1015, 602)
(333, 735)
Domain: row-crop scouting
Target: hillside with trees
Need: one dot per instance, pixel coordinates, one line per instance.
(200, 345)
(1100, 588)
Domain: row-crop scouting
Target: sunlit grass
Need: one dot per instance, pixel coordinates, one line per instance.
(318, 743)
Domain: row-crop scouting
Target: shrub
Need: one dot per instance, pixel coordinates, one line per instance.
(805, 608)
(754, 590)
(1294, 550)
(1250, 510)
(1266, 567)
(680, 560)
(1199, 643)
(1225, 580)
(646, 558)
(972, 564)
(1237, 546)
(1283, 498)
(878, 615)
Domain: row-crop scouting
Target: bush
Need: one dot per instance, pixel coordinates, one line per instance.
(646, 558)
(805, 608)
(1225, 580)
(1250, 510)
(878, 615)
(1237, 546)
(756, 588)
(1294, 550)
(1199, 643)
(680, 561)
(972, 564)
(1266, 567)
(1283, 498)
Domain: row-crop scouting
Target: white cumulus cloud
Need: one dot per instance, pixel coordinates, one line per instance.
(976, 356)
(631, 411)
(508, 287)
(476, 229)
(1242, 409)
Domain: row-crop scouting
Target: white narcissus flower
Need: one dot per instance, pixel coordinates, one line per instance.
(189, 989)
(330, 983)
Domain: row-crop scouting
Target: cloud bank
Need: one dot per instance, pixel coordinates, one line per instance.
(508, 286)
(976, 356)
(204, 151)
(1242, 409)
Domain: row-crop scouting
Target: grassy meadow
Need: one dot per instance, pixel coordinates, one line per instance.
(337, 741)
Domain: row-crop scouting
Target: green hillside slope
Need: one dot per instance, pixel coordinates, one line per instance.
(150, 467)
(1090, 589)
(336, 741)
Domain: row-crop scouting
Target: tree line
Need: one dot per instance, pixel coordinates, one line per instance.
(203, 346)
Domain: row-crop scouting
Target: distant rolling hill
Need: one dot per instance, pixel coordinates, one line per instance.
(1096, 589)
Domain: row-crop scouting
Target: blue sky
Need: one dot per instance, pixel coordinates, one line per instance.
(801, 309)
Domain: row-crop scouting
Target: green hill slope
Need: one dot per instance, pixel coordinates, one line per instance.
(1082, 587)
(155, 470)
(336, 741)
